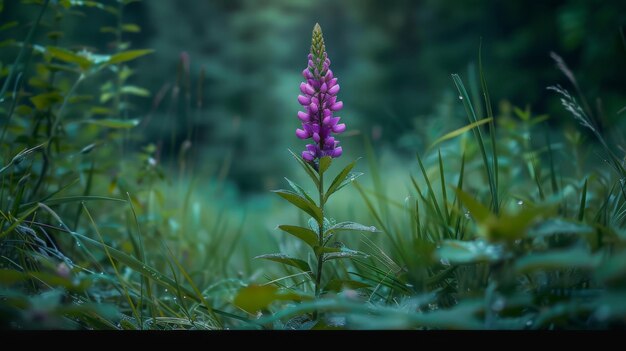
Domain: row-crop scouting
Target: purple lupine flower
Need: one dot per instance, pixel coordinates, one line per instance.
(319, 98)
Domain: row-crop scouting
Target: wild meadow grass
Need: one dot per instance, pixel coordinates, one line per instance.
(498, 221)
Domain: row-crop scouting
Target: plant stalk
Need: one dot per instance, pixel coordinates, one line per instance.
(320, 256)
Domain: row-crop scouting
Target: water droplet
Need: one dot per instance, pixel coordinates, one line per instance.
(460, 97)
(529, 323)
(372, 228)
(174, 298)
(78, 243)
(166, 290)
(498, 305)
(184, 297)
(520, 202)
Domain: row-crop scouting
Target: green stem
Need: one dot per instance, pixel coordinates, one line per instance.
(320, 257)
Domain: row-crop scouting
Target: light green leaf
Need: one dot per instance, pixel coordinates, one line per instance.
(135, 90)
(351, 226)
(131, 28)
(558, 259)
(559, 226)
(128, 56)
(45, 100)
(114, 123)
(68, 56)
(460, 131)
(344, 254)
(470, 252)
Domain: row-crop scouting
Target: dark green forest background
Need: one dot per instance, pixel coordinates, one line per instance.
(393, 60)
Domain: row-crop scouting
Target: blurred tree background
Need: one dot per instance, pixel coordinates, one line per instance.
(393, 60)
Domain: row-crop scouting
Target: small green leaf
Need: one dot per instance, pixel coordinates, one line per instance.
(301, 203)
(347, 253)
(325, 163)
(460, 131)
(479, 212)
(114, 123)
(131, 28)
(339, 179)
(469, 252)
(254, 298)
(128, 56)
(288, 260)
(45, 100)
(307, 168)
(68, 56)
(351, 226)
(349, 179)
(108, 29)
(558, 259)
(8, 25)
(338, 285)
(298, 189)
(559, 226)
(304, 234)
(135, 90)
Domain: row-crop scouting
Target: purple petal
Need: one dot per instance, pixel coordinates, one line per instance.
(334, 90)
(309, 89)
(307, 156)
(303, 100)
(337, 152)
(339, 128)
(337, 106)
(316, 137)
(302, 134)
(303, 116)
(313, 107)
(323, 88)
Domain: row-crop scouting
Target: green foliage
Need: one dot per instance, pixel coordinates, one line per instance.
(515, 220)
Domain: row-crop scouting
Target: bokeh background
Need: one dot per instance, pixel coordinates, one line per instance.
(393, 60)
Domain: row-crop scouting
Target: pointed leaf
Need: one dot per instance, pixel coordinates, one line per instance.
(301, 203)
(477, 210)
(349, 179)
(559, 226)
(558, 259)
(325, 163)
(339, 179)
(343, 252)
(128, 56)
(460, 131)
(304, 234)
(114, 123)
(288, 260)
(351, 226)
(254, 298)
(69, 57)
(469, 252)
(298, 189)
(307, 168)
